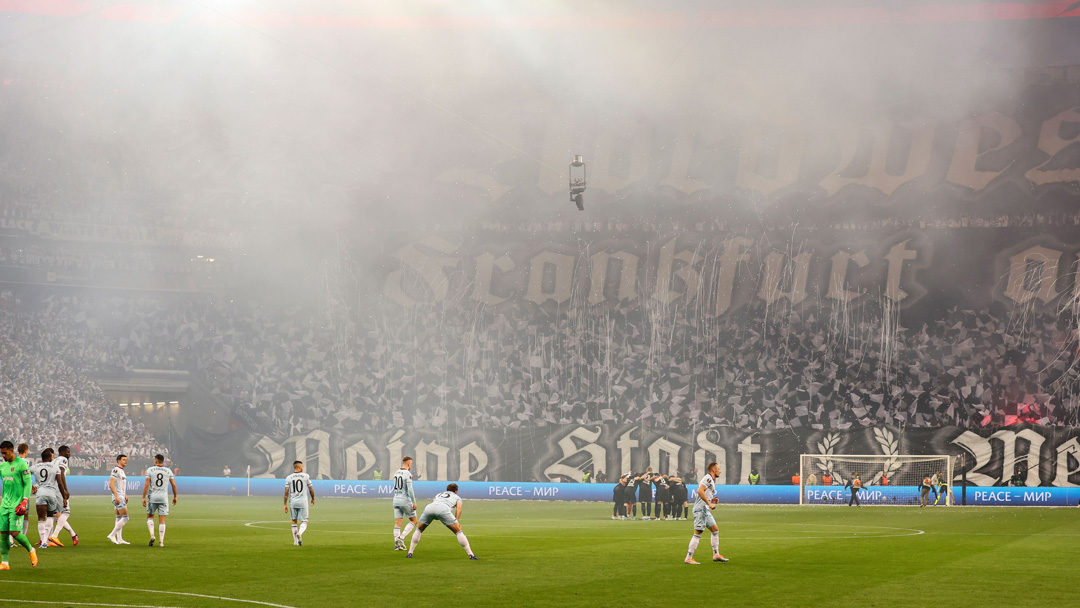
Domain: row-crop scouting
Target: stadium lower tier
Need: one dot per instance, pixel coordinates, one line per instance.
(88, 485)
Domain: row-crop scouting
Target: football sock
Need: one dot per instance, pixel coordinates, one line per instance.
(120, 523)
(62, 523)
(694, 540)
(635, 509)
(161, 532)
(116, 527)
(464, 542)
(301, 529)
(41, 531)
(5, 548)
(397, 532)
(294, 538)
(415, 541)
(26, 525)
(150, 526)
(25, 542)
(715, 543)
(408, 528)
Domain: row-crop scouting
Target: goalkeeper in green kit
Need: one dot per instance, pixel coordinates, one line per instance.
(17, 484)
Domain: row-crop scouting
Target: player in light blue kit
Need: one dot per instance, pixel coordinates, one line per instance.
(51, 490)
(158, 480)
(404, 503)
(446, 508)
(703, 517)
(297, 489)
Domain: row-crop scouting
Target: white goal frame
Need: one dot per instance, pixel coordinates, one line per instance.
(905, 473)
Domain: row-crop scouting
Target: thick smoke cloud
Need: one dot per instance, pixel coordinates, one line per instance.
(325, 144)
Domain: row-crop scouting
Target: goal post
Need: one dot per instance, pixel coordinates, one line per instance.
(895, 480)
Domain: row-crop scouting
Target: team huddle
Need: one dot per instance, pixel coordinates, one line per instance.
(661, 497)
(446, 508)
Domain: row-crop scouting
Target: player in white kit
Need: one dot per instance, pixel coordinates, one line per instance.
(446, 508)
(404, 503)
(158, 479)
(51, 490)
(703, 518)
(62, 461)
(297, 489)
(118, 487)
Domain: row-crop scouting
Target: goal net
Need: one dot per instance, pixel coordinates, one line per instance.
(826, 479)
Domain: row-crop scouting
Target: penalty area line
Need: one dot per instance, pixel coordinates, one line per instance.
(110, 588)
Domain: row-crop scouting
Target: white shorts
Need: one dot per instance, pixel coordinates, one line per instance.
(440, 512)
(703, 518)
(157, 508)
(122, 504)
(53, 502)
(298, 513)
(404, 510)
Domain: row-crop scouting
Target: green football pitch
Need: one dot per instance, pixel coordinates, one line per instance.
(238, 552)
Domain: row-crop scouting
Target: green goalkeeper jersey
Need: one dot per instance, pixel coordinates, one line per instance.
(17, 482)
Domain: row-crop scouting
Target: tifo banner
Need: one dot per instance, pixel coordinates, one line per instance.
(717, 271)
(1044, 455)
(476, 490)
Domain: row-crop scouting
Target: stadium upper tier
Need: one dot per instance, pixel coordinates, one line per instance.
(290, 371)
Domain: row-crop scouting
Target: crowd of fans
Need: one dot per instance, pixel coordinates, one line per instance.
(135, 222)
(47, 397)
(58, 256)
(141, 211)
(292, 371)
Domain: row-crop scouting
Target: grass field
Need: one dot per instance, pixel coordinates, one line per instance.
(553, 554)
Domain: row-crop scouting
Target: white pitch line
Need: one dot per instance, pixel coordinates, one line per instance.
(178, 593)
(47, 602)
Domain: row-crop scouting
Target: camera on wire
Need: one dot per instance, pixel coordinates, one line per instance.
(577, 182)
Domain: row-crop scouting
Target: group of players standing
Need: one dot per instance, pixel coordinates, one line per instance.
(445, 507)
(46, 480)
(660, 496)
